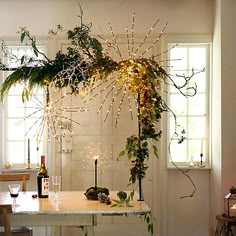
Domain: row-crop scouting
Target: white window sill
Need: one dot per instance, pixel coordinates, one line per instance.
(19, 170)
(185, 167)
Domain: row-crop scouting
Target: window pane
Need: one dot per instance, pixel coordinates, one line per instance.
(16, 153)
(178, 151)
(196, 127)
(178, 58)
(195, 150)
(197, 58)
(197, 104)
(178, 104)
(16, 129)
(15, 106)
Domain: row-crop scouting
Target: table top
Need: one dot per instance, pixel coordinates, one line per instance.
(70, 202)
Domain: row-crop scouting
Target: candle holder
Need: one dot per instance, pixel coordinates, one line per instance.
(38, 164)
(193, 163)
(28, 165)
(201, 162)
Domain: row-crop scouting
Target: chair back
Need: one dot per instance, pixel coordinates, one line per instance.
(5, 210)
(23, 177)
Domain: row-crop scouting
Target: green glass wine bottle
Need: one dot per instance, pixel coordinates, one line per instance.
(43, 180)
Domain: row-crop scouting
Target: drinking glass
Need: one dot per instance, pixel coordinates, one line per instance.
(14, 192)
(56, 186)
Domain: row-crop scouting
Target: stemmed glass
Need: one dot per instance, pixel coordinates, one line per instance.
(14, 192)
(56, 186)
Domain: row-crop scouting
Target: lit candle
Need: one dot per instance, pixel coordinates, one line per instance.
(96, 164)
(232, 210)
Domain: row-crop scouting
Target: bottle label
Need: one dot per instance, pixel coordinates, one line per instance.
(45, 186)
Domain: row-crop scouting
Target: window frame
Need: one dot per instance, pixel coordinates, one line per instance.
(4, 163)
(191, 41)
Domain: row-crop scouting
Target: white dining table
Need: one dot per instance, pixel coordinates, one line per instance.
(72, 209)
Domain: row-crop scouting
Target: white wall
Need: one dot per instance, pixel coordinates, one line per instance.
(216, 174)
(175, 217)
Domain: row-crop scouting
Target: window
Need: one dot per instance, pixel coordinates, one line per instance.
(192, 113)
(19, 120)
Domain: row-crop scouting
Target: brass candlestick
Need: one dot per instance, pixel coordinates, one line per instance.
(201, 162)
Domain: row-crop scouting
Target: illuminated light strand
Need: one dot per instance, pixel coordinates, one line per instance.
(120, 106)
(109, 44)
(114, 40)
(67, 118)
(103, 89)
(166, 51)
(73, 109)
(34, 124)
(132, 32)
(157, 40)
(168, 60)
(146, 37)
(128, 46)
(112, 102)
(95, 87)
(130, 107)
(108, 93)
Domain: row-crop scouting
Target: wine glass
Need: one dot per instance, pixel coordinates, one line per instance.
(14, 192)
(56, 186)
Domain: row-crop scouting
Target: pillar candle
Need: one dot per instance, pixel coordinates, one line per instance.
(96, 170)
(28, 150)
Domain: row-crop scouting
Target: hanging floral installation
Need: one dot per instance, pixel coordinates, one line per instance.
(88, 67)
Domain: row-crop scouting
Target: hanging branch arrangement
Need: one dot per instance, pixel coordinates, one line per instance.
(87, 67)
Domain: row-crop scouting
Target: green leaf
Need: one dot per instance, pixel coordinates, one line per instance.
(122, 153)
(33, 44)
(23, 96)
(150, 228)
(36, 52)
(27, 94)
(145, 144)
(132, 195)
(22, 60)
(155, 150)
(22, 37)
(117, 201)
(129, 156)
(114, 205)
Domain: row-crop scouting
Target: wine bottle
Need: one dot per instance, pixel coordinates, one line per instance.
(43, 180)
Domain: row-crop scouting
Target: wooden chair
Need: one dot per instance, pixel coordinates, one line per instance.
(16, 177)
(5, 210)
